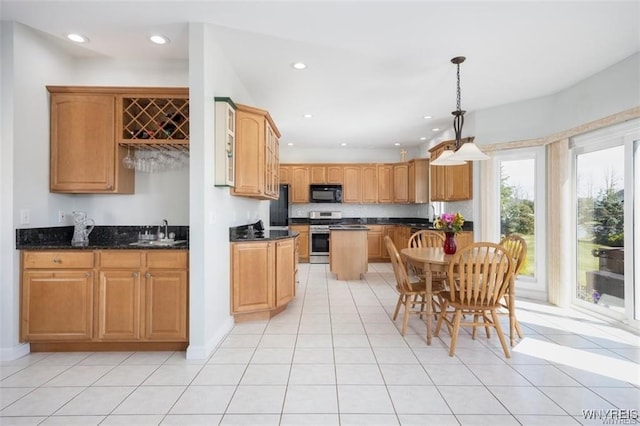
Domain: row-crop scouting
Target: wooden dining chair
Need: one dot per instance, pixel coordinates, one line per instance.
(425, 238)
(479, 275)
(517, 248)
(410, 293)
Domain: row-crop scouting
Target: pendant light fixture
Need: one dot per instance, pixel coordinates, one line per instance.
(465, 150)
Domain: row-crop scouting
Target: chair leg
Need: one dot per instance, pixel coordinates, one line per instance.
(395, 313)
(405, 318)
(503, 342)
(518, 329)
(443, 312)
(422, 304)
(454, 334)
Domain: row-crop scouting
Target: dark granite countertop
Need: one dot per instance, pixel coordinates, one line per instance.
(101, 238)
(348, 227)
(417, 223)
(241, 234)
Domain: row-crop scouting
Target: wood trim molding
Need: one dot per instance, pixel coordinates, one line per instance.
(616, 118)
(559, 236)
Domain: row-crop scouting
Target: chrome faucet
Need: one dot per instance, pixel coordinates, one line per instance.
(165, 223)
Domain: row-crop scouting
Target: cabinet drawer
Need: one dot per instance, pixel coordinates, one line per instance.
(167, 259)
(375, 228)
(57, 259)
(120, 259)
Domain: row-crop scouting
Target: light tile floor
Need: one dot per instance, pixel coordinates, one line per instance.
(334, 357)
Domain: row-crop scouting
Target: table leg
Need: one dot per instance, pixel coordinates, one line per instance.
(428, 276)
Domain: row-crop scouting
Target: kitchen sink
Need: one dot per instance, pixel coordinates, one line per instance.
(158, 243)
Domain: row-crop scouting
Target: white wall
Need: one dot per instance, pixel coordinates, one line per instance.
(613, 90)
(9, 302)
(212, 209)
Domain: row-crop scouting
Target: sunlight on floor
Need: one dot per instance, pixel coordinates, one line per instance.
(599, 364)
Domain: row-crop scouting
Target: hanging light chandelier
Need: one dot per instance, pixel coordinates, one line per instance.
(465, 149)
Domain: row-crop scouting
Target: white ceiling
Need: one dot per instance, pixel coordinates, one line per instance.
(375, 68)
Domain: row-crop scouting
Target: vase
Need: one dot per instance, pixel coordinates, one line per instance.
(449, 246)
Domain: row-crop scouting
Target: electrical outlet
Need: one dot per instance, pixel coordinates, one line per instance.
(24, 217)
(60, 216)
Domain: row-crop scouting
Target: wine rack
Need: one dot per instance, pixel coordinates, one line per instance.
(151, 121)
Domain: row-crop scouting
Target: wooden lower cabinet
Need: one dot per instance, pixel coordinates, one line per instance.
(285, 271)
(375, 238)
(401, 237)
(262, 278)
(165, 305)
(57, 305)
(303, 241)
(124, 297)
(57, 295)
(119, 306)
(463, 239)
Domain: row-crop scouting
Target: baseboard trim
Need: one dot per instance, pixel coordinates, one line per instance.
(14, 352)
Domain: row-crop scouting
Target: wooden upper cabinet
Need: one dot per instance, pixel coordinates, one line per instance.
(299, 190)
(385, 183)
(256, 160)
(84, 154)
(318, 174)
(401, 183)
(284, 174)
(370, 184)
(450, 183)
(272, 166)
(352, 185)
(419, 181)
(335, 175)
(331, 174)
(93, 128)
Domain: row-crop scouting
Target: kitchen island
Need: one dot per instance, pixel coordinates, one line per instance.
(348, 251)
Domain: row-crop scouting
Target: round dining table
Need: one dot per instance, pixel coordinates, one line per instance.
(430, 259)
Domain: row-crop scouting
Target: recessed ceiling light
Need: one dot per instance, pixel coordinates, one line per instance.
(290, 144)
(298, 65)
(435, 129)
(307, 116)
(343, 144)
(397, 144)
(426, 117)
(423, 138)
(78, 38)
(159, 39)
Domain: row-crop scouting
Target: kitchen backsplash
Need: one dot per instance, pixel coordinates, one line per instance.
(360, 210)
(426, 211)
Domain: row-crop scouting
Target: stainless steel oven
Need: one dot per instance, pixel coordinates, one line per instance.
(319, 234)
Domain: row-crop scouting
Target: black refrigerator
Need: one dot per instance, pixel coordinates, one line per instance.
(279, 209)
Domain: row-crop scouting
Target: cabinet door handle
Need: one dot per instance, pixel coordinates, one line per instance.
(135, 275)
(87, 274)
(148, 275)
(56, 260)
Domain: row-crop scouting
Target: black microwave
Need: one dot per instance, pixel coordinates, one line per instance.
(325, 193)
